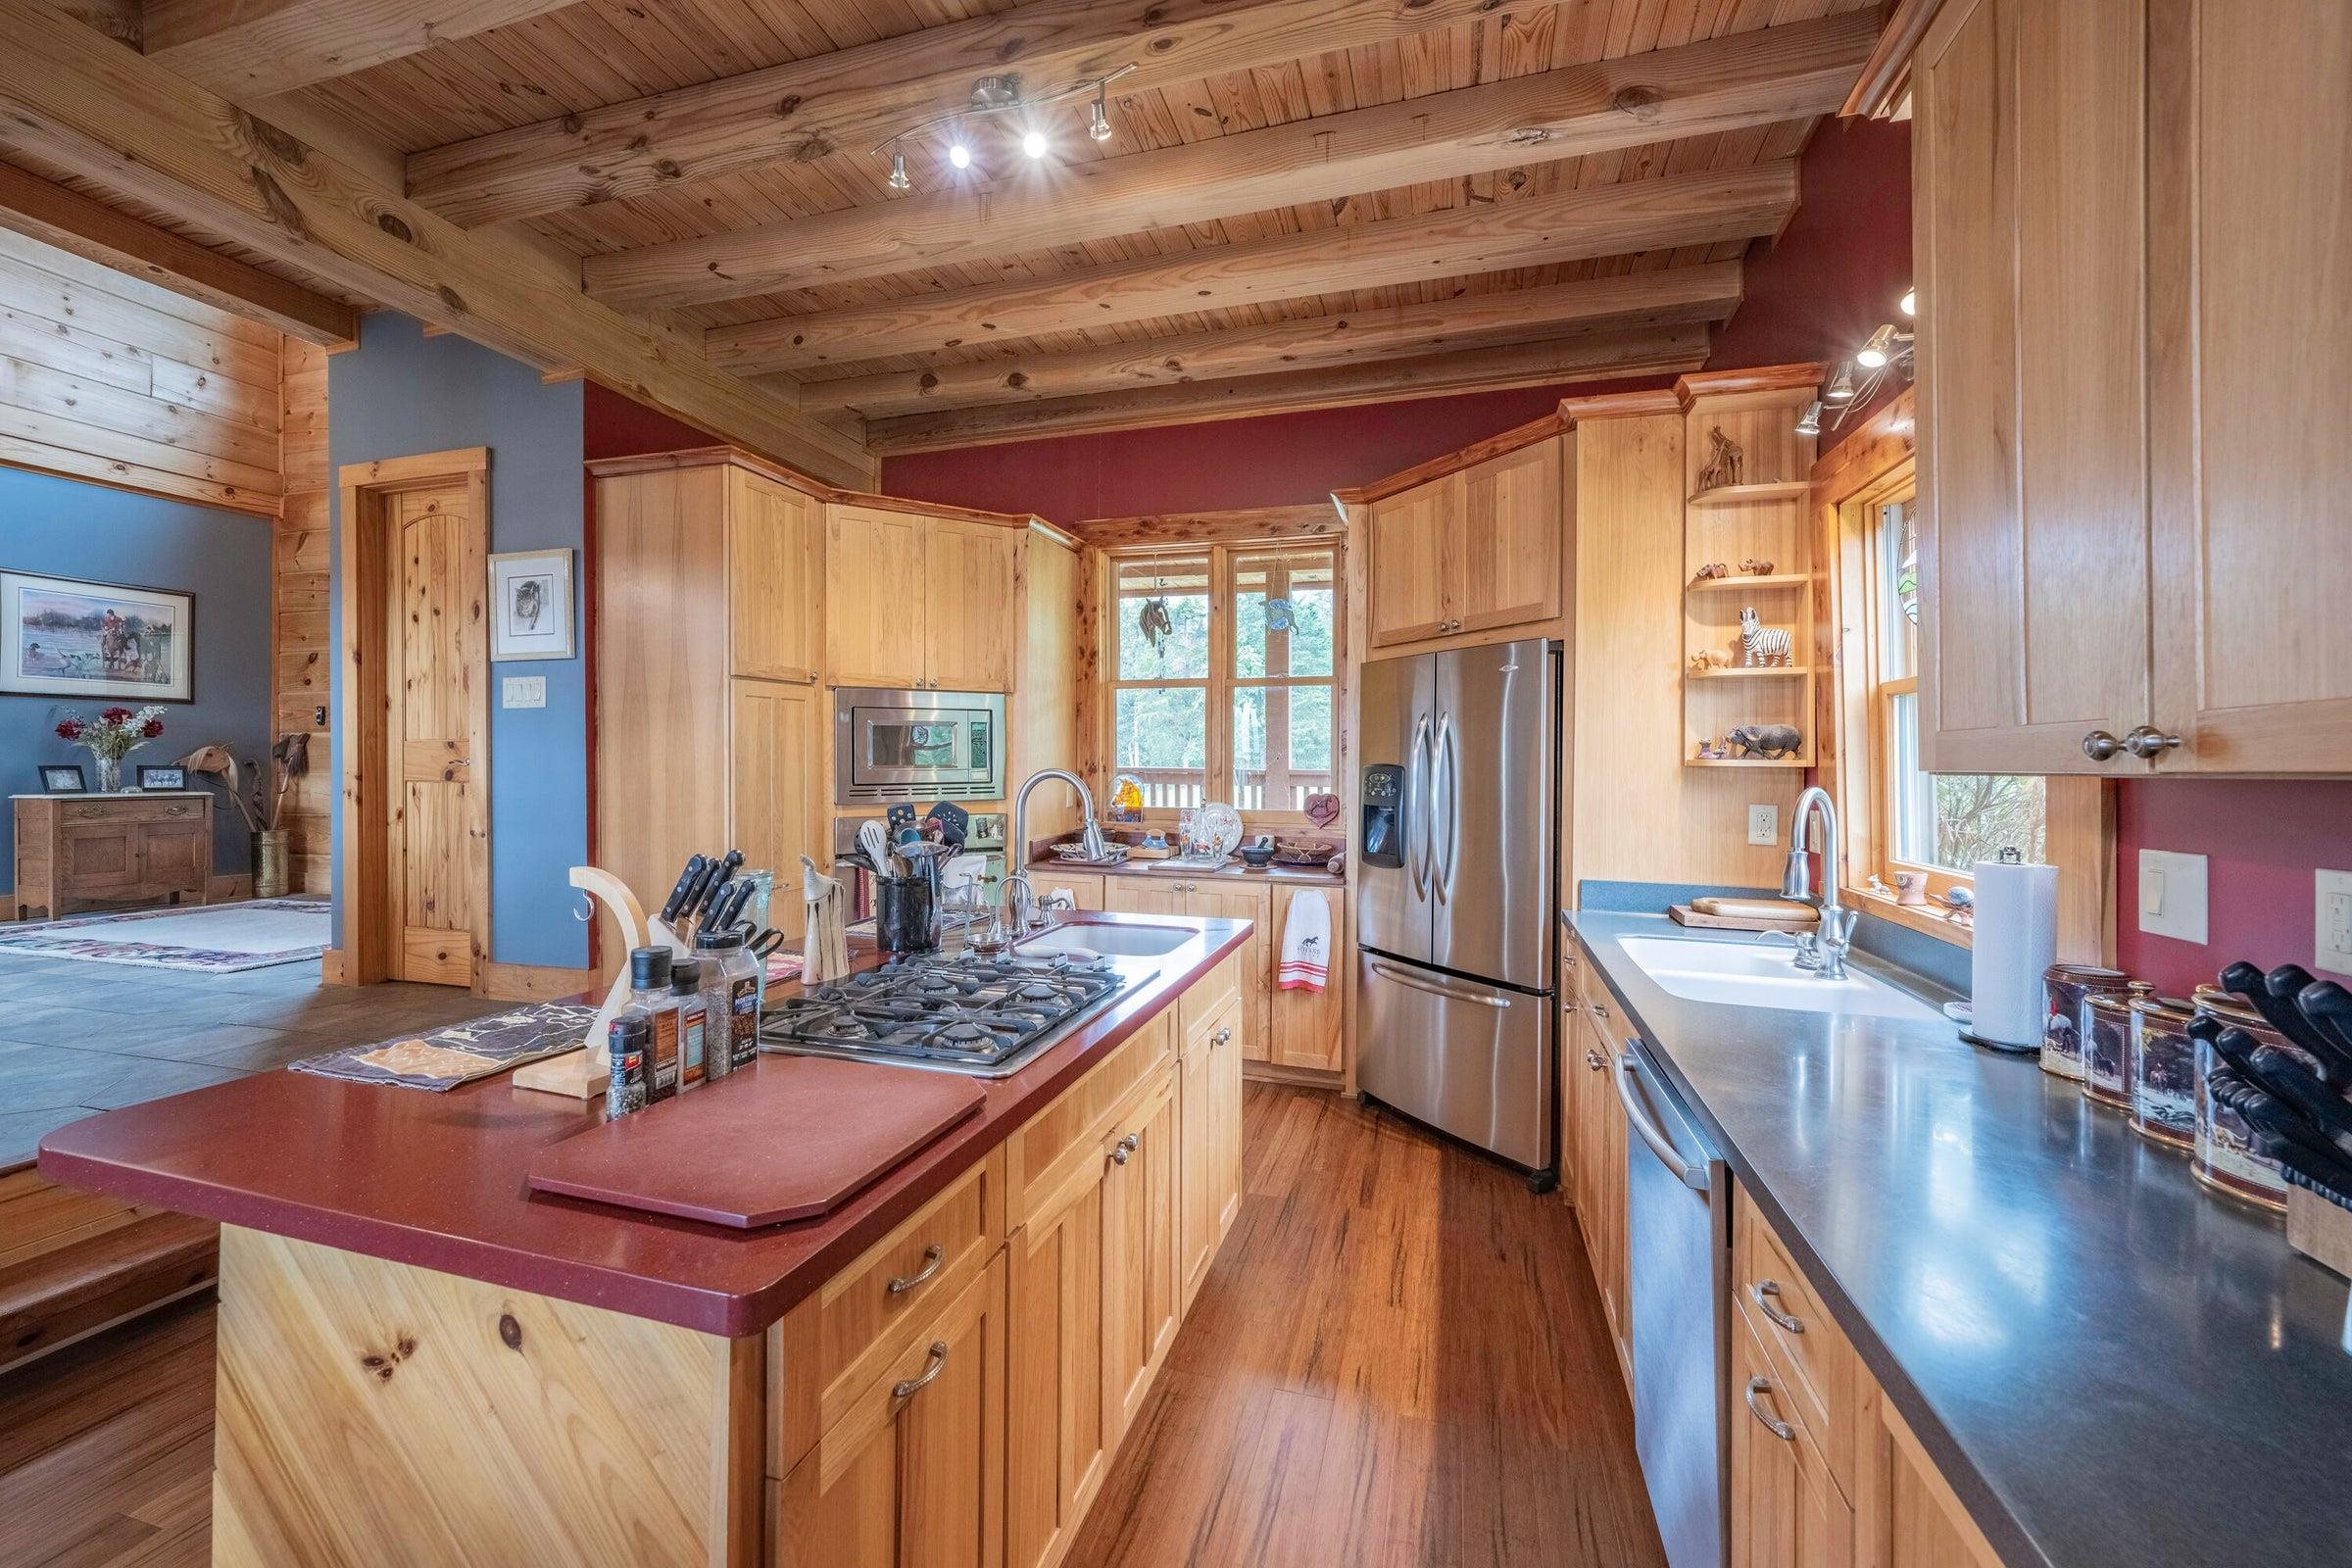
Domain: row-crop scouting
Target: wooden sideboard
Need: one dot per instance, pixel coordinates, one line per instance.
(87, 852)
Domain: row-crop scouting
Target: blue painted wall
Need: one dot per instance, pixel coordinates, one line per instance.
(399, 393)
(69, 529)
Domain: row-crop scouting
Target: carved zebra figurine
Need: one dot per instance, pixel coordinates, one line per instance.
(1764, 645)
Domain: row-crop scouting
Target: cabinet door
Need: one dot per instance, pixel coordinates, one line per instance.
(1142, 1294)
(2251, 121)
(1212, 899)
(1084, 888)
(1503, 559)
(98, 860)
(775, 566)
(1786, 1510)
(1056, 1435)
(1406, 570)
(174, 856)
(970, 609)
(2028, 165)
(1905, 1513)
(912, 1475)
(774, 791)
(1144, 895)
(1309, 1026)
(1209, 1122)
(876, 582)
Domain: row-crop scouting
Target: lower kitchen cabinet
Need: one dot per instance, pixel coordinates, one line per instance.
(1058, 1435)
(1785, 1509)
(1299, 1029)
(1599, 1137)
(1210, 1123)
(1141, 1293)
(1906, 1515)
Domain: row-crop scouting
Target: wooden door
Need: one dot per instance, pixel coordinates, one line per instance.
(910, 1475)
(1145, 895)
(1905, 1513)
(98, 860)
(1309, 1026)
(2251, 124)
(1503, 558)
(437, 754)
(1142, 1291)
(1057, 1439)
(970, 611)
(775, 791)
(876, 584)
(2029, 161)
(175, 857)
(1208, 1125)
(1405, 571)
(1226, 1044)
(775, 570)
(1222, 899)
(1786, 1510)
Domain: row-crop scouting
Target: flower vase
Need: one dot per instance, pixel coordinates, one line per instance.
(110, 773)
(269, 863)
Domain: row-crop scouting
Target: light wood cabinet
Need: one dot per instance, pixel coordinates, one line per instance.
(1084, 888)
(1600, 1140)
(775, 568)
(1143, 1296)
(81, 851)
(1406, 575)
(775, 808)
(2123, 534)
(1210, 1124)
(1058, 1435)
(1906, 1514)
(1310, 1027)
(1214, 898)
(1785, 1511)
(969, 608)
(915, 601)
(1473, 550)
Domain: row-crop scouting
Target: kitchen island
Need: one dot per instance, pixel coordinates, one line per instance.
(422, 1361)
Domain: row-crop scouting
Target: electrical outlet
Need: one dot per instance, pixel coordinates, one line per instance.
(2334, 922)
(523, 691)
(1763, 824)
(2172, 895)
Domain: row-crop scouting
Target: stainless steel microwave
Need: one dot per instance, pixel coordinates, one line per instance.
(896, 745)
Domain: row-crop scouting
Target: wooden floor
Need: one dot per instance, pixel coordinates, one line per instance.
(1398, 1359)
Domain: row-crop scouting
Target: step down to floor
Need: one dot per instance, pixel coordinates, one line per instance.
(66, 1294)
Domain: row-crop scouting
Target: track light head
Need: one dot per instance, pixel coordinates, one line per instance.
(1033, 143)
(1876, 352)
(1097, 124)
(1841, 389)
(1809, 422)
(898, 172)
(1909, 303)
(960, 155)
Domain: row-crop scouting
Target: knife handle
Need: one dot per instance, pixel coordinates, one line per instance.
(708, 902)
(701, 885)
(676, 901)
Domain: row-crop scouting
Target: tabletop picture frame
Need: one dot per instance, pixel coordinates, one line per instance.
(64, 778)
(531, 605)
(162, 776)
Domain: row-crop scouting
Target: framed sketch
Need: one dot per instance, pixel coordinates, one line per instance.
(531, 599)
(62, 778)
(163, 778)
(61, 637)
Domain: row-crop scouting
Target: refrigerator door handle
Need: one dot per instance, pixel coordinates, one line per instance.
(1417, 859)
(1454, 807)
(1416, 983)
(1691, 1176)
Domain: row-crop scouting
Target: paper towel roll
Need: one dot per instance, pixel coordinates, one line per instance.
(2016, 940)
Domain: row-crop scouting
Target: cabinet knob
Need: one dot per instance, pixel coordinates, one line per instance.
(1601, 1009)
(1594, 1060)
(2101, 746)
(1221, 1036)
(2148, 742)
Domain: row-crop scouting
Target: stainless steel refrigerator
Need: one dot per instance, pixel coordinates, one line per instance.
(1455, 911)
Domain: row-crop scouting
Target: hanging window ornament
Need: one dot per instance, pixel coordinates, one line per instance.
(1154, 621)
(1278, 614)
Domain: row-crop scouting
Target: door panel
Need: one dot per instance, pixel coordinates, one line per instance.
(875, 585)
(1504, 557)
(777, 817)
(1490, 814)
(775, 550)
(1056, 1438)
(99, 858)
(438, 658)
(968, 606)
(1399, 727)
(1470, 1059)
(1141, 1289)
(174, 856)
(1309, 1026)
(1406, 574)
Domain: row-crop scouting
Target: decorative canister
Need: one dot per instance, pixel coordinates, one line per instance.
(2106, 1030)
(2063, 988)
(2224, 1157)
(2163, 1064)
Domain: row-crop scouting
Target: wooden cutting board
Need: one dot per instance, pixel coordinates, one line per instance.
(790, 1138)
(1684, 914)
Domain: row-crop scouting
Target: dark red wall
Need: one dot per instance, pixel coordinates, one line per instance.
(2262, 839)
(615, 426)
(1816, 294)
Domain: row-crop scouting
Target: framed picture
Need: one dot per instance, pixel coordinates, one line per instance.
(59, 637)
(531, 599)
(62, 778)
(163, 778)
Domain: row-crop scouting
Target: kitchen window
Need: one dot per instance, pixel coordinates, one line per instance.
(1225, 665)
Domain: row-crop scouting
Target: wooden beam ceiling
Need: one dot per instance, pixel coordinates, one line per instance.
(42, 210)
(851, 99)
(1677, 297)
(246, 49)
(1545, 363)
(80, 103)
(1731, 84)
(1696, 209)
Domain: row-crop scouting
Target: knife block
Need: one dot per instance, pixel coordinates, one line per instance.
(2320, 1230)
(586, 1073)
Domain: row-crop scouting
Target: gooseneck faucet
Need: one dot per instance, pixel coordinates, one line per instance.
(1021, 909)
(1825, 950)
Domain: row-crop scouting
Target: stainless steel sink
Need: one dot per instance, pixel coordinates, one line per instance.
(1754, 974)
(1111, 941)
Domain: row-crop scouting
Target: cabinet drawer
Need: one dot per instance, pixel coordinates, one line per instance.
(827, 1349)
(1074, 1125)
(1808, 1350)
(1786, 1510)
(133, 809)
(1196, 1009)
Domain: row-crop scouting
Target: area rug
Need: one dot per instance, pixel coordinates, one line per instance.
(207, 939)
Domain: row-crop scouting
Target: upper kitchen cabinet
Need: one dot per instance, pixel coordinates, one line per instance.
(2129, 558)
(1467, 546)
(917, 600)
(970, 611)
(775, 568)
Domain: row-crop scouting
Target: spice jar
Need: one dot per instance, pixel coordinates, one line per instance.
(2163, 1063)
(2063, 988)
(2225, 1155)
(2106, 1030)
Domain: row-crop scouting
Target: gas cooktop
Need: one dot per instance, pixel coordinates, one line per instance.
(984, 1016)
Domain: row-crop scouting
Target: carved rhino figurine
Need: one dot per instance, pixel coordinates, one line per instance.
(1773, 741)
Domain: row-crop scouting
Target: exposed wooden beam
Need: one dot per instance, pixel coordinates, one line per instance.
(1634, 214)
(80, 103)
(1885, 77)
(1730, 83)
(42, 210)
(1382, 381)
(1678, 296)
(851, 99)
(252, 48)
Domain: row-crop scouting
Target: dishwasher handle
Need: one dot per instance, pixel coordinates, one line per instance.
(1691, 1176)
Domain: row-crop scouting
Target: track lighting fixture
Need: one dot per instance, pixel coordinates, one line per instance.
(1909, 303)
(1841, 389)
(1098, 124)
(1001, 94)
(1875, 353)
(1033, 143)
(898, 172)
(1809, 422)
(960, 155)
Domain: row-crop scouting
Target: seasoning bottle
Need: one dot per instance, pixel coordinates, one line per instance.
(650, 1001)
(685, 985)
(625, 1038)
(730, 990)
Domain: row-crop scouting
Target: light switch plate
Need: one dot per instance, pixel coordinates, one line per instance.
(522, 691)
(2333, 924)
(1763, 824)
(2172, 895)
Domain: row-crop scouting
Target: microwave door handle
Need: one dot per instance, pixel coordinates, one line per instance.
(1416, 796)
(1638, 1118)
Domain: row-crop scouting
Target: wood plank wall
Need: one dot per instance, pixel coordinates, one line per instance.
(300, 662)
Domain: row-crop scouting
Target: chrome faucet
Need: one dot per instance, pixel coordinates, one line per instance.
(1834, 933)
(1020, 910)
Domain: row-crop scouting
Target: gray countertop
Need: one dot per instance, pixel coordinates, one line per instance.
(2111, 1365)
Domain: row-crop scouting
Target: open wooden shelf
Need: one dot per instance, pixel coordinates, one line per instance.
(1719, 585)
(1800, 760)
(1753, 671)
(1724, 495)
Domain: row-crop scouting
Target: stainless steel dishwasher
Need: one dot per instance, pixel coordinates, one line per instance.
(1678, 1245)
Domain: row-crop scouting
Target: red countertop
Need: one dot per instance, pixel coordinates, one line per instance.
(440, 1180)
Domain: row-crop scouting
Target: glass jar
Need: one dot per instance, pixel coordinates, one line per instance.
(2163, 1063)
(2063, 988)
(2106, 1030)
(2225, 1155)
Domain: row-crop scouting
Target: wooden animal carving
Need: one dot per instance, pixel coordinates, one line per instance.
(1709, 659)
(1773, 741)
(1724, 465)
(1765, 645)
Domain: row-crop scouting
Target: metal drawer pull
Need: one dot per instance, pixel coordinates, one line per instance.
(1756, 1386)
(1126, 1149)
(933, 1256)
(1764, 1294)
(1449, 994)
(915, 1385)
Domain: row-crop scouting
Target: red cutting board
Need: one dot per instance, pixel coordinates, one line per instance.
(791, 1138)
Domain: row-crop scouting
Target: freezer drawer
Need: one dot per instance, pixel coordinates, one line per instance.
(1468, 1058)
